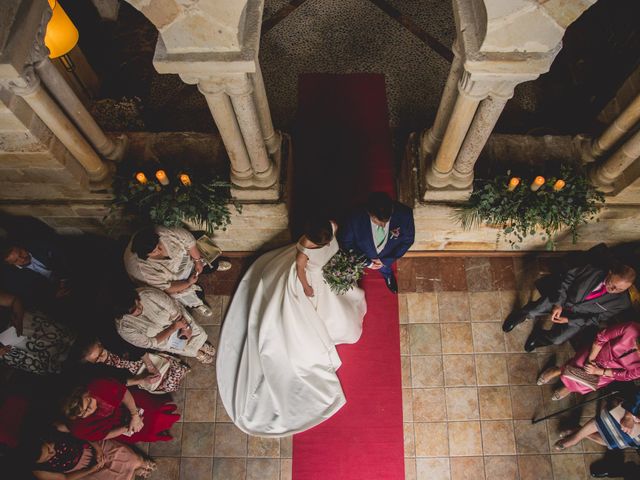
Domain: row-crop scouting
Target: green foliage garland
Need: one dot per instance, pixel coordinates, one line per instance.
(343, 271)
(523, 212)
(205, 202)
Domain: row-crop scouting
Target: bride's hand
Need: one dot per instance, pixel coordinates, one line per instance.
(308, 291)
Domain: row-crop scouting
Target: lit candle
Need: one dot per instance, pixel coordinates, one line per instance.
(141, 177)
(186, 181)
(537, 183)
(162, 177)
(559, 185)
(513, 183)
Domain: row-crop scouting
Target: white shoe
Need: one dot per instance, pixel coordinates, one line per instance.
(223, 266)
(203, 310)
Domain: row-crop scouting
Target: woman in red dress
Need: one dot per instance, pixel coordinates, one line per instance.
(107, 409)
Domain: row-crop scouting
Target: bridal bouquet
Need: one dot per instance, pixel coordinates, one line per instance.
(343, 271)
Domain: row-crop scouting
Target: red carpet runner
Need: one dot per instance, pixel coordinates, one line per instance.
(343, 151)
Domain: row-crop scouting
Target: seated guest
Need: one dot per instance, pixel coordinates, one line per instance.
(168, 259)
(106, 409)
(613, 356)
(154, 372)
(59, 456)
(151, 319)
(31, 342)
(615, 429)
(587, 296)
(36, 271)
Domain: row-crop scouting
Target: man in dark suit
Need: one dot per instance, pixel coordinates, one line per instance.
(382, 231)
(36, 271)
(586, 296)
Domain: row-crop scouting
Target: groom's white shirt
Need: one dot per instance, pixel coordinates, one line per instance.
(374, 227)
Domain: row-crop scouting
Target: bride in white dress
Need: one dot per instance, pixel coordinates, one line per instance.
(277, 359)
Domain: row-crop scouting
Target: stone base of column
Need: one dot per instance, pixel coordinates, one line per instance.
(121, 144)
(106, 182)
(598, 180)
(584, 146)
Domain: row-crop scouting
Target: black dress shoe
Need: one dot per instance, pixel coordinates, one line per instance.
(604, 469)
(512, 320)
(391, 283)
(531, 344)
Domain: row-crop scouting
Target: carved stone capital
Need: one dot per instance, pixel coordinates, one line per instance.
(211, 86)
(39, 50)
(239, 85)
(470, 86)
(27, 83)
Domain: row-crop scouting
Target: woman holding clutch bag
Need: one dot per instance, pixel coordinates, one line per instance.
(613, 356)
(154, 372)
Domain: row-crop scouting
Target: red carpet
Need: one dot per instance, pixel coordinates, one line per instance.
(343, 151)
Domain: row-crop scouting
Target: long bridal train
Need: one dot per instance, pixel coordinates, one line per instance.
(277, 359)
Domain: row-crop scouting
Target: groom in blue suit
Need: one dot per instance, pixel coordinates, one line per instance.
(382, 231)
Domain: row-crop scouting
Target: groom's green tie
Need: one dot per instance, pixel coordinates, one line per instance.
(380, 236)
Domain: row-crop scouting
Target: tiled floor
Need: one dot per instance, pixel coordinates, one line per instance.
(469, 390)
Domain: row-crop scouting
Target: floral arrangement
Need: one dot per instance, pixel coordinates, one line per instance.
(173, 199)
(523, 207)
(343, 271)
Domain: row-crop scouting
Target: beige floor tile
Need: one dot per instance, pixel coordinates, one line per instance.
(422, 307)
(465, 438)
(215, 304)
(516, 338)
(433, 469)
(200, 405)
(191, 468)
(228, 468)
(172, 448)
(429, 405)
(453, 307)
(502, 468)
(491, 369)
(495, 403)
(424, 339)
(286, 469)
(462, 403)
(407, 405)
(403, 310)
(485, 307)
(405, 348)
(552, 406)
(523, 368)
(426, 371)
(197, 439)
(431, 439)
(526, 402)
(286, 447)
(410, 469)
(263, 447)
(459, 370)
(508, 302)
(201, 376)
(498, 437)
(178, 397)
(168, 469)
(531, 438)
(457, 338)
(488, 337)
(569, 467)
(467, 468)
(409, 440)
(535, 467)
(263, 469)
(230, 441)
(405, 363)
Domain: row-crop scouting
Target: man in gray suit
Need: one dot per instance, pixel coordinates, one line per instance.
(586, 296)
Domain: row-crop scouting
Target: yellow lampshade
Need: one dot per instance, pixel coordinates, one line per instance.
(61, 35)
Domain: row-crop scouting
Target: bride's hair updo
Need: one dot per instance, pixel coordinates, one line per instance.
(318, 230)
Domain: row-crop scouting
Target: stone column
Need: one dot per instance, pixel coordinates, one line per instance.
(483, 124)
(432, 138)
(240, 89)
(28, 86)
(604, 174)
(69, 101)
(272, 138)
(629, 117)
(225, 119)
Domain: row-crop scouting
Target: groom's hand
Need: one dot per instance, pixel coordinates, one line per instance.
(376, 264)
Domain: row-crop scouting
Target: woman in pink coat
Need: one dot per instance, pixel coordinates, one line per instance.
(614, 356)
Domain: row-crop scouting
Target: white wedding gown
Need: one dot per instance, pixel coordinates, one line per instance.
(277, 361)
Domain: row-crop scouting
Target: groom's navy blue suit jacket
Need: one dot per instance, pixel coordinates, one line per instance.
(356, 234)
